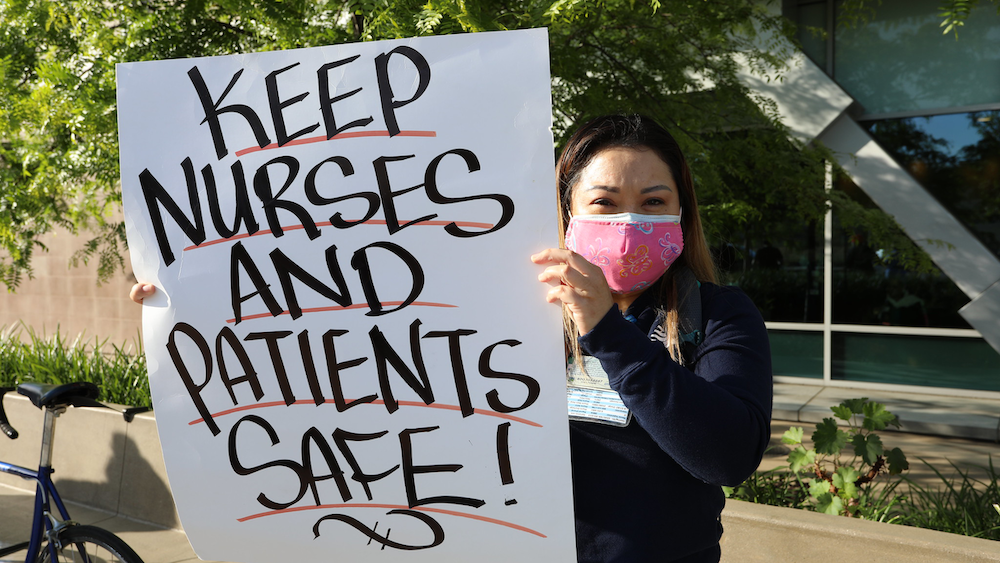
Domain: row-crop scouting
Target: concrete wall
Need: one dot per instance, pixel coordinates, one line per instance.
(69, 299)
(756, 533)
(100, 460)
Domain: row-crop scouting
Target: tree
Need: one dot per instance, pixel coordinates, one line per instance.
(675, 60)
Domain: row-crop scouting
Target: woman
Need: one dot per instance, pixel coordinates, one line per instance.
(700, 412)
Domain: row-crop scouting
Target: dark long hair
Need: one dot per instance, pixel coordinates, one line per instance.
(639, 132)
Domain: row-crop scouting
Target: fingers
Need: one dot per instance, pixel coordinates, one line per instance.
(566, 267)
(141, 291)
(576, 284)
(566, 274)
(555, 255)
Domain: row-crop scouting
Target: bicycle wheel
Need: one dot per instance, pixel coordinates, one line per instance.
(88, 544)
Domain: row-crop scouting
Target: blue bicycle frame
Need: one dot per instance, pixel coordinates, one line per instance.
(44, 525)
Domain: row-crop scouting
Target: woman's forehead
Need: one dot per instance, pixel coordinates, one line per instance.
(626, 168)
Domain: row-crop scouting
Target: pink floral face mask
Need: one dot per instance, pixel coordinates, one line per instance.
(633, 250)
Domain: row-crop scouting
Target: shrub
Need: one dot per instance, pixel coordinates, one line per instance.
(120, 371)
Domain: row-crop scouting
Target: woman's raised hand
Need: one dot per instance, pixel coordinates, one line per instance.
(141, 291)
(577, 284)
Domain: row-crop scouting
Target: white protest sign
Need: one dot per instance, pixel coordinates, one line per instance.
(349, 351)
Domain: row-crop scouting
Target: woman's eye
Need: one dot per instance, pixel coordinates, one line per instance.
(603, 202)
(655, 201)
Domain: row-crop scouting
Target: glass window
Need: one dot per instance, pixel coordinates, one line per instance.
(811, 19)
(900, 61)
(957, 158)
(779, 265)
(870, 289)
(931, 361)
(797, 354)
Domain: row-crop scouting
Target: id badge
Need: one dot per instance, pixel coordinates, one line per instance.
(590, 396)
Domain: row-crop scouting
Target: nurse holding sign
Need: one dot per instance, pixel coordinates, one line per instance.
(341, 361)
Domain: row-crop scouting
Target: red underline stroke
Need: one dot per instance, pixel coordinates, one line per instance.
(375, 402)
(396, 507)
(342, 308)
(328, 224)
(322, 138)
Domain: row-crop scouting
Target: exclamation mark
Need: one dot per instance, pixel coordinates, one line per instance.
(503, 457)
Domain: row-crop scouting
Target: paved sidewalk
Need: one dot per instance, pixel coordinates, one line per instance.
(153, 543)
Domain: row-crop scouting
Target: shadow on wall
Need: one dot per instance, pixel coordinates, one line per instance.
(128, 485)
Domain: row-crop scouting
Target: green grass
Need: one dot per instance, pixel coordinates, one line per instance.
(959, 504)
(120, 371)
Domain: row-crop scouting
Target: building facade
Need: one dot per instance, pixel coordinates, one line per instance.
(913, 117)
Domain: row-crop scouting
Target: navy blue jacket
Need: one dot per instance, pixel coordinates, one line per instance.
(652, 491)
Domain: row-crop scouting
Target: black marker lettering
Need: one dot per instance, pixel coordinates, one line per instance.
(271, 201)
(156, 196)
(240, 259)
(384, 355)
(193, 389)
(534, 389)
(277, 105)
(472, 163)
(242, 213)
(249, 374)
(360, 263)
(340, 437)
(503, 453)
(309, 366)
(212, 112)
(410, 471)
(314, 436)
(457, 369)
(277, 362)
(334, 368)
(238, 467)
(287, 269)
(389, 104)
(388, 195)
(326, 102)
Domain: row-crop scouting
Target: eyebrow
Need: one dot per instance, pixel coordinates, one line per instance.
(656, 188)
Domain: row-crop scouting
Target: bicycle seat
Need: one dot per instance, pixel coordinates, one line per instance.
(47, 395)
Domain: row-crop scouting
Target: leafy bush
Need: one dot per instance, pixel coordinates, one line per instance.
(842, 485)
(823, 479)
(120, 371)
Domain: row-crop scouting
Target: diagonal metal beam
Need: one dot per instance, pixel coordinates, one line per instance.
(814, 107)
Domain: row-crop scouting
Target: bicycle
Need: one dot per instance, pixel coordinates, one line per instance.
(56, 538)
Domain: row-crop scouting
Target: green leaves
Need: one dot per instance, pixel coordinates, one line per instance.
(897, 461)
(844, 480)
(828, 438)
(854, 406)
(877, 418)
(842, 411)
(827, 503)
(954, 13)
(818, 488)
(868, 448)
(839, 485)
(793, 435)
(800, 458)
